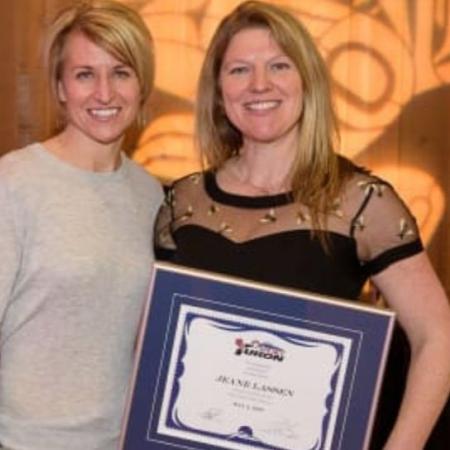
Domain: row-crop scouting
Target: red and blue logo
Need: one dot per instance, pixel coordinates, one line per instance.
(255, 348)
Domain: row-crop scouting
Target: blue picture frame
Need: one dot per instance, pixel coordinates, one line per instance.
(224, 363)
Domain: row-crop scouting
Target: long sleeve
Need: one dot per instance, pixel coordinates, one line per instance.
(10, 247)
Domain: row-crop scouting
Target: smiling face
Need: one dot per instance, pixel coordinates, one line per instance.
(100, 94)
(261, 87)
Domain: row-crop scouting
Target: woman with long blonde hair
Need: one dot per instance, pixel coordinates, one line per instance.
(277, 204)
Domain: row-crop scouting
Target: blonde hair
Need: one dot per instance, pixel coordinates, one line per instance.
(114, 27)
(317, 173)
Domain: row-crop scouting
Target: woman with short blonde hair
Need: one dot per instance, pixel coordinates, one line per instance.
(76, 223)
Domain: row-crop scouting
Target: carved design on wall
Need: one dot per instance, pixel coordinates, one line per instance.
(382, 56)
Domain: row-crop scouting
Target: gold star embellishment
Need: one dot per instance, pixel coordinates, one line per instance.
(195, 178)
(375, 186)
(270, 217)
(225, 228)
(302, 217)
(360, 223)
(336, 208)
(213, 209)
(404, 229)
(187, 215)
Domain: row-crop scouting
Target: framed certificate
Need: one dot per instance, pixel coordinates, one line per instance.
(225, 363)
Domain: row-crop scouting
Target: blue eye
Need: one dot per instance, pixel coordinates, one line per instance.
(122, 73)
(281, 65)
(83, 75)
(238, 70)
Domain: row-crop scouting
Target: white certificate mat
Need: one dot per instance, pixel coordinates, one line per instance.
(227, 364)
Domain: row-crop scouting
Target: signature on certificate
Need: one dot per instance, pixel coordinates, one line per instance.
(211, 413)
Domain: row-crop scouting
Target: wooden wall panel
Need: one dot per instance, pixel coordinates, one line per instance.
(390, 64)
(8, 111)
(389, 60)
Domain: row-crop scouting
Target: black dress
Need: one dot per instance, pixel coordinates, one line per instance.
(269, 239)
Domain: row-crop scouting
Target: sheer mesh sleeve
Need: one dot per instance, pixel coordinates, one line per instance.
(384, 228)
(164, 243)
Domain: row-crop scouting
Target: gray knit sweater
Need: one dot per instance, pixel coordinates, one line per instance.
(75, 256)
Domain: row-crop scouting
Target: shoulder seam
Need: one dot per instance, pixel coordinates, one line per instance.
(354, 221)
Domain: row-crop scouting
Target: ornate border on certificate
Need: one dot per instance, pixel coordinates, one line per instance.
(229, 364)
